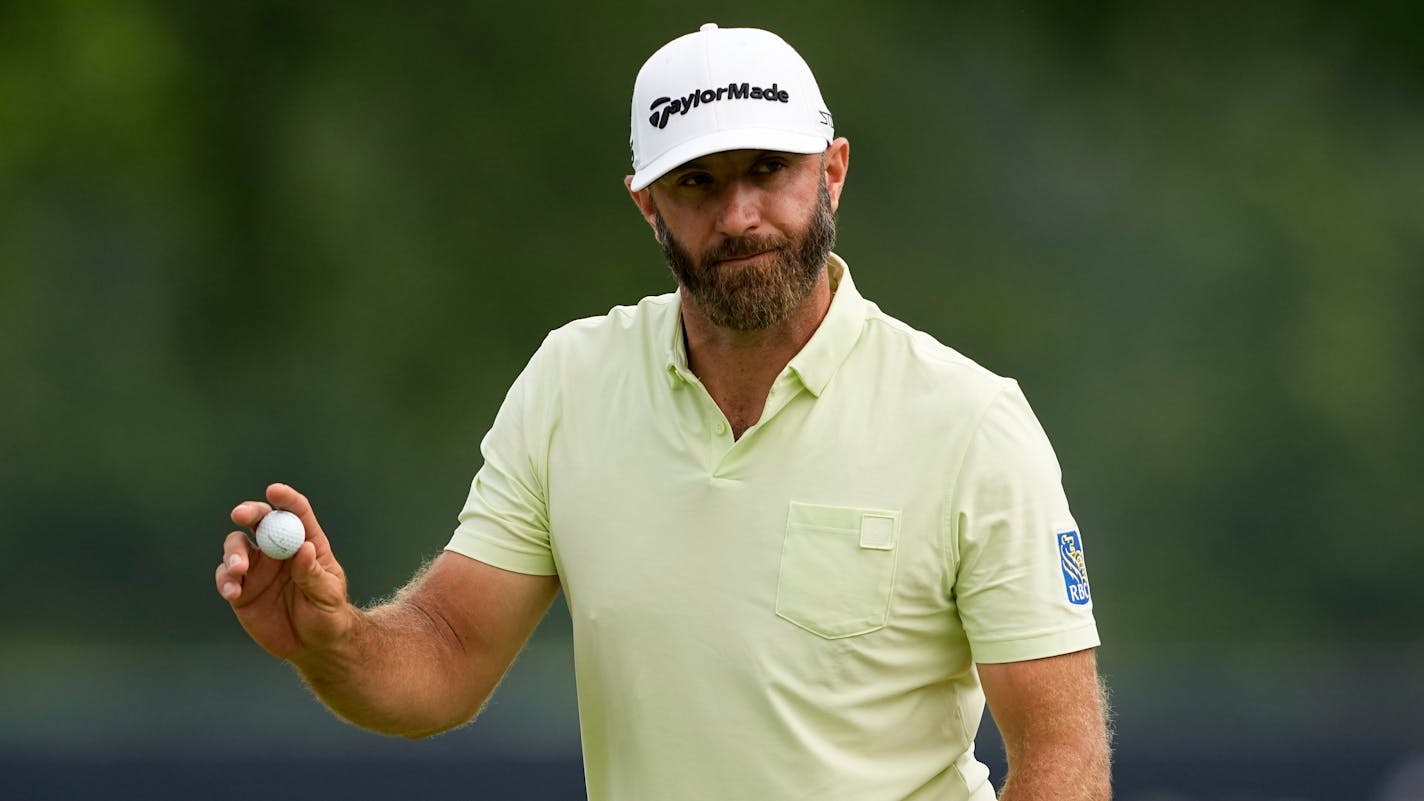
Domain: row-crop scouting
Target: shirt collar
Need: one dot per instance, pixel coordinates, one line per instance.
(677, 368)
(817, 362)
(833, 341)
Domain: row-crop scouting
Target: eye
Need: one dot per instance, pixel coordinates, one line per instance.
(768, 166)
(694, 179)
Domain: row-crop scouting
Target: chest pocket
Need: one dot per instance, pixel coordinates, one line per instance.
(837, 569)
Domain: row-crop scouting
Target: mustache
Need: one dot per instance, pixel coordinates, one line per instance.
(743, 246)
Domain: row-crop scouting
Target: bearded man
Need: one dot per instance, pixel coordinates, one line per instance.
(801, 543)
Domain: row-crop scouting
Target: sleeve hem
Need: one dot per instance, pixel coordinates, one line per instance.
(1039, 647)
(472, 545)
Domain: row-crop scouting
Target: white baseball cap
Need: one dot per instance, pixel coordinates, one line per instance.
(724, 89)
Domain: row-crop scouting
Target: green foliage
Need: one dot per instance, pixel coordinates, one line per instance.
(251, 242)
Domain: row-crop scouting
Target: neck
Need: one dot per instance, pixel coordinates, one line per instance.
(739, 367)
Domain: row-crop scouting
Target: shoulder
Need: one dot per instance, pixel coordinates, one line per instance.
(624, 337)
(918, 363)
(618, 323)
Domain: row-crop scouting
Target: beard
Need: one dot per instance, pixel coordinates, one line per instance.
(755, 296)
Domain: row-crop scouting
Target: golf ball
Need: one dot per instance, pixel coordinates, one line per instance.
(280, 534)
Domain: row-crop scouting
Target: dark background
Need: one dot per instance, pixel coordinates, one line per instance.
(260, 241)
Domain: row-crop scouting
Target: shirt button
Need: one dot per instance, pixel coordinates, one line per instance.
(720, 428)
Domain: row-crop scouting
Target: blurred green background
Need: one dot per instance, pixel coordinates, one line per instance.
(259, 241)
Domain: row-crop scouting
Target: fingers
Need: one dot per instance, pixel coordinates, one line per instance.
(282, 496)
(314, 569)
(237, 558)
(326, 589)
(285, 497)
(249, 513)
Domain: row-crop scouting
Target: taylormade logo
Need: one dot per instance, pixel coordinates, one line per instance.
(665, 107)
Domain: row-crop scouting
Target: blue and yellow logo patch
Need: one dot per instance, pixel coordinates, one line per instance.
(1075, 567)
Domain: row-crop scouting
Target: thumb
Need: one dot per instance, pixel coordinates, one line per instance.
(324, 588)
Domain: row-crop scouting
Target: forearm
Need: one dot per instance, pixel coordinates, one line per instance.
(399, 670)
(1053, 715)
(1066, 771)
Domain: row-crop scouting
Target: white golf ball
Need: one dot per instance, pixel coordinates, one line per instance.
(280, 534)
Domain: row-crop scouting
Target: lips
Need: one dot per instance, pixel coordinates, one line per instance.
(734, 260)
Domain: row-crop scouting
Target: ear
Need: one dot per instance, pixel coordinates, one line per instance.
(643, 199)
(837, 164)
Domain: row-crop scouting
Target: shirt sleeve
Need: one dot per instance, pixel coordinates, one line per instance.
(505, 521)
(1021, 582)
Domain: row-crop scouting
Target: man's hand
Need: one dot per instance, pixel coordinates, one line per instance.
(419, 664)
(1052, 714)
(291, 606)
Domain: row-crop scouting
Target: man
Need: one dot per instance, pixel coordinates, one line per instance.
(801, 543)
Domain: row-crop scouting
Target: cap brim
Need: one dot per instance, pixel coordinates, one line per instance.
(741, 139)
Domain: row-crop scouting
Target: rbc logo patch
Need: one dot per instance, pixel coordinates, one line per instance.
(1075, 567)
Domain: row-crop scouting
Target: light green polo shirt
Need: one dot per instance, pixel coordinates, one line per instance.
(795, 614)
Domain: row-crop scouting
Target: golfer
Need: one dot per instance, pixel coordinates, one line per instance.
(801, 543)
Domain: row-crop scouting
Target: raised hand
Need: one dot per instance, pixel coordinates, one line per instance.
(291, 606)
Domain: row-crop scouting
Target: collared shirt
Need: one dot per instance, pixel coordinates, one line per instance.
(795, 613)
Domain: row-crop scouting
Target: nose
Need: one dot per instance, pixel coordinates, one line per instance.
(741, 209)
